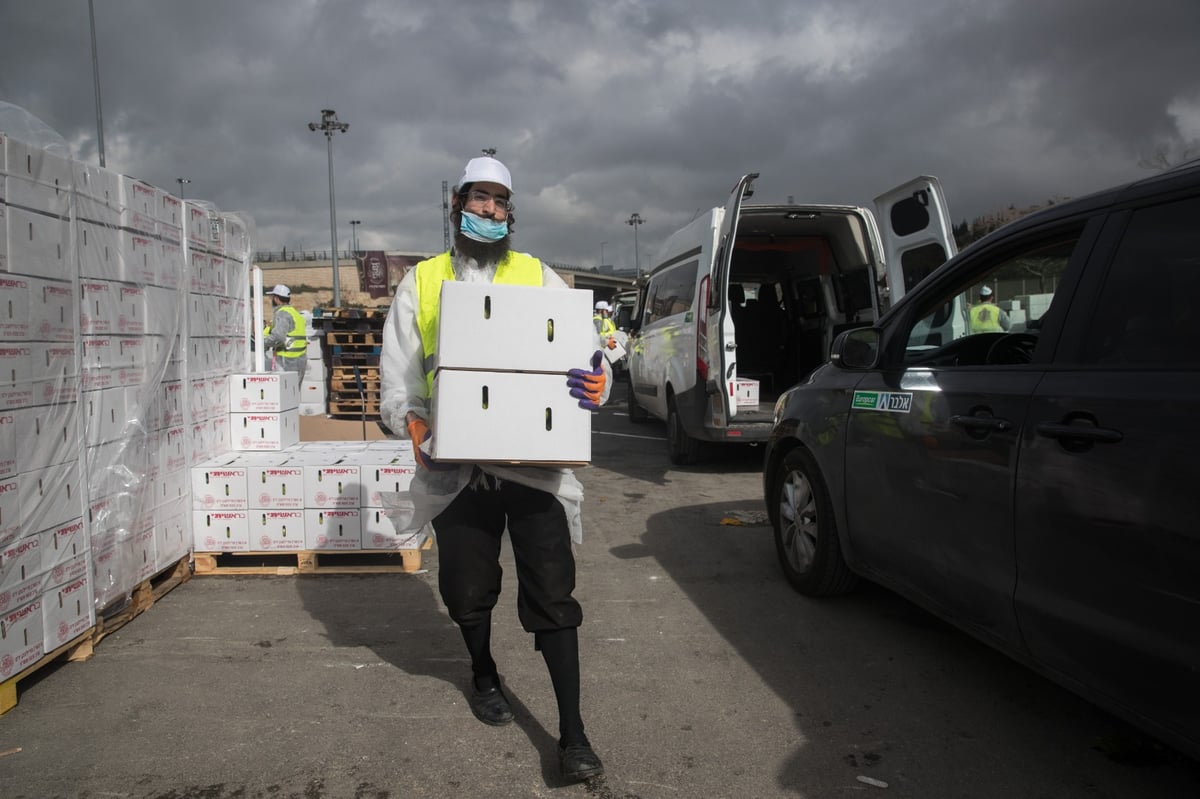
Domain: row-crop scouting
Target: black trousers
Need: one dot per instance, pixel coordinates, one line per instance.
(469, 532)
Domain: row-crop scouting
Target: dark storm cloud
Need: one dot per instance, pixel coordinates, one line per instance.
(606, 109)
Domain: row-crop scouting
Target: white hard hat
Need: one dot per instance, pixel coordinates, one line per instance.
(281, 290)
(602, 306)
(486, 169)
(986, 291)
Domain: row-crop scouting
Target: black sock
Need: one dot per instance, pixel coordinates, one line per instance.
(478, 638)
(560, 650)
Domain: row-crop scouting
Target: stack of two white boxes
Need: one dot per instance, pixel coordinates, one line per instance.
(500, 393)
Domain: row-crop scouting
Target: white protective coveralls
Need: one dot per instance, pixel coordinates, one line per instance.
(404, 389)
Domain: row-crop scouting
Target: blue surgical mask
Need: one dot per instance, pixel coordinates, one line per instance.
(482, 229)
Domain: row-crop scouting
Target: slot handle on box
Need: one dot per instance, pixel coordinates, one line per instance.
(549, 419)
(485, 397)
(487, 307)
(549, 330)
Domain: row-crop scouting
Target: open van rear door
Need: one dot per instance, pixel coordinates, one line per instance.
(716, 328)
(914, 224)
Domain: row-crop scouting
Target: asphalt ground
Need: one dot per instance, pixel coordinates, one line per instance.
(704, 675)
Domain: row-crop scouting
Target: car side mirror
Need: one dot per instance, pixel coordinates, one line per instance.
(856, 349)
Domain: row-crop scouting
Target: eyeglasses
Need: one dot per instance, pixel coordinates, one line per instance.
(480, 197)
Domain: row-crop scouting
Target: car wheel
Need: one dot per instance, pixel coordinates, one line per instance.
(637, 414)
(683, 448)
(806, 537)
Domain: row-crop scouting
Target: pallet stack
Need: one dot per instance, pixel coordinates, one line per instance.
(351, 342)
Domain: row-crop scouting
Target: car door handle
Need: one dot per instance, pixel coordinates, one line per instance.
(1073, 432)
(978, 424)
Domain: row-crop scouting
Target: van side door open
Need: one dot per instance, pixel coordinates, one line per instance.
(915, 229)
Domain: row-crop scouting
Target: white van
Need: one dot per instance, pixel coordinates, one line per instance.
(746, 300)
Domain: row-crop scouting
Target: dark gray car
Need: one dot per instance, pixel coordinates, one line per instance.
(1014, 447)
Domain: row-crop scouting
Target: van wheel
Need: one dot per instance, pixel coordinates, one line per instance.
(637, 414)
(806, 536)
(682, 448)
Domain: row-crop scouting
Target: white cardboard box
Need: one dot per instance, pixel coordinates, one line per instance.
(508, 417)
(277, 530)
(39, 245)
(746, 392)
(264, 392)
(501, 327)
(68, 611)
(219, 487)
(221, 530)
(22, 644)
(264, 431)
(335, 485)
(278, 487)
(333, 528)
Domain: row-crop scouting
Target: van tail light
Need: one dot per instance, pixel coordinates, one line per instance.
(702, 329)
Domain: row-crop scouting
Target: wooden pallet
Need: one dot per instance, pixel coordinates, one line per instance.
(352, 313)
(370, 372)
(353, 337)
(142, 598)
(310, 561)
(347, 407)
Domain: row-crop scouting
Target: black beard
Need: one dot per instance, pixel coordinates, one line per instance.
(483, 253)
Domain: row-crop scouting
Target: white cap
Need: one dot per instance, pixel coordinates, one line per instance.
(602, 306)
(986, 291)
(486, 169)
(281, 290)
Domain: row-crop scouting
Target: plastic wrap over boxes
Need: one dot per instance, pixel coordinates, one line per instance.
(321, 496)
(500, 392)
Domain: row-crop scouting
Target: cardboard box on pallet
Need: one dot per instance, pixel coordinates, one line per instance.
(264, 392)
(338, 529)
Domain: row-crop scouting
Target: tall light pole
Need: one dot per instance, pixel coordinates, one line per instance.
(636, 220)
(181, 181)
(602, 252)
(96, 81)
(354, 223)
(329, 125)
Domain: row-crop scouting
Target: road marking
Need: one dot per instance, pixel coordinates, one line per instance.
(630, 435)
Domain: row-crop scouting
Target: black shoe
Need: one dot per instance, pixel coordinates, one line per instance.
(490, 706)
(579, 762)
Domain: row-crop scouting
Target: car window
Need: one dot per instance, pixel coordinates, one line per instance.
(671, 293)
(1007, 300)
(1147, 310)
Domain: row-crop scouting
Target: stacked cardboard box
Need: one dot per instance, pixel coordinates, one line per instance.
(500, 392)
(102, 411)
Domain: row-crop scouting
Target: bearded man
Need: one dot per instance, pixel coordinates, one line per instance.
(475, 504)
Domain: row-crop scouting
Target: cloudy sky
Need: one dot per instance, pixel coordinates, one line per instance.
(602, 109)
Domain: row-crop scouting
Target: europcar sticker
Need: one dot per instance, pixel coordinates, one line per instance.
(890, 401)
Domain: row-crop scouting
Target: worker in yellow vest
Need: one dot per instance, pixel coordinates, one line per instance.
(471, 505)
(986, 316)
(287, 336)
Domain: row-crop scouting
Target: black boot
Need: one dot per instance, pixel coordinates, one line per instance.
(560, 650)
(486, 698)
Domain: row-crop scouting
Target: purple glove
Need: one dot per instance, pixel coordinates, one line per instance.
(588, 386)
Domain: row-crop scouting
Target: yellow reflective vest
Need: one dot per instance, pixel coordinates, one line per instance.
(604, 324)
(297, 344)
(517, 268)
(985, 318)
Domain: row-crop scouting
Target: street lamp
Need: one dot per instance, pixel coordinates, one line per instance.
(181, 181)
(329, 125)
(602, 252)
(636, 220)
(354, 223)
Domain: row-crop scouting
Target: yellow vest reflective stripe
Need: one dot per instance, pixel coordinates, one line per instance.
(297, 339)
(985, 318)
(517, 268)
